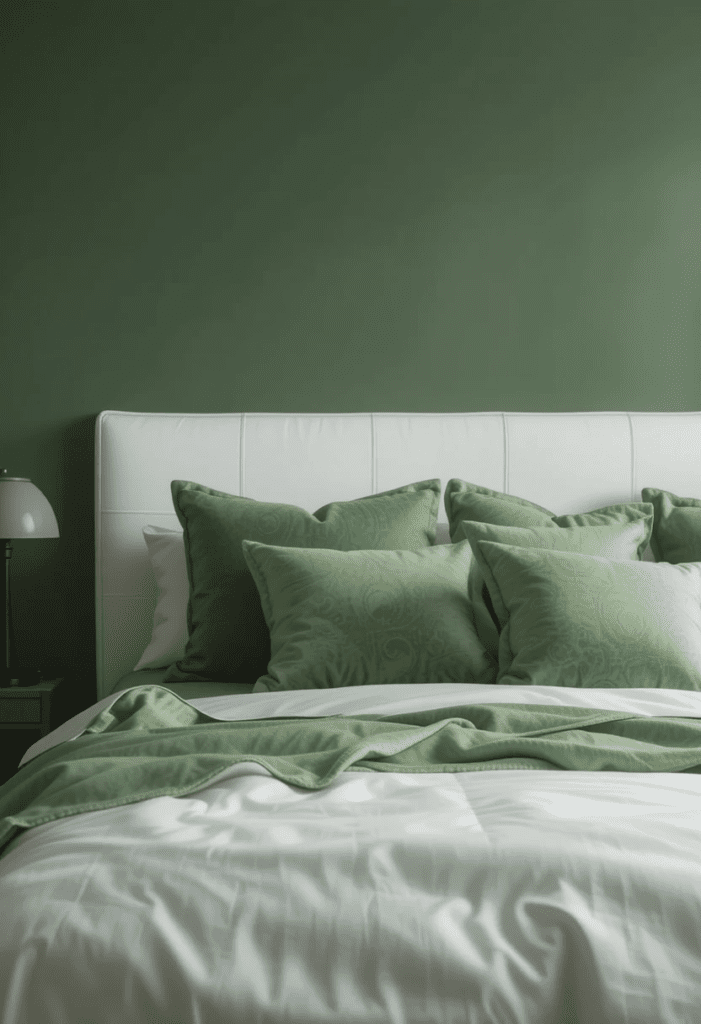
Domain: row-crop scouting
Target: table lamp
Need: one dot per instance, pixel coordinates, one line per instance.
(24, 514)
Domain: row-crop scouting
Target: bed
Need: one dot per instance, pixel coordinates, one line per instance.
(398, 719)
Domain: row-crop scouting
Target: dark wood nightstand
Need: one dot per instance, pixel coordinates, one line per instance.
(23, 710)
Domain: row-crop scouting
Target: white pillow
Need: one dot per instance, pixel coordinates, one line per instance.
(166, 550)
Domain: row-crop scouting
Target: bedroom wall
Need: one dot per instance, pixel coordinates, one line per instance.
(333, 205)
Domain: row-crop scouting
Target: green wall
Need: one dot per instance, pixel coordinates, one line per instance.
(333, 205)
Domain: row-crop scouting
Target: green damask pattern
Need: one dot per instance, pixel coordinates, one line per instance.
(470, 502)
(621, 540)
(361, 617)
(676, 534)
(580, 620)
(465, 501)
(228, 636)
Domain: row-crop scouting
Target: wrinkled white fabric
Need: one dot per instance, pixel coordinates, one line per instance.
(485, 898)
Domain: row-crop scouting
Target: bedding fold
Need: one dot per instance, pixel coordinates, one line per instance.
(151, 743)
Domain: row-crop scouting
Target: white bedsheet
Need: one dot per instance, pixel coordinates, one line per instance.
(495, 896)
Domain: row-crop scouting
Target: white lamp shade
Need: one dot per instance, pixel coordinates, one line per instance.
(24, 511)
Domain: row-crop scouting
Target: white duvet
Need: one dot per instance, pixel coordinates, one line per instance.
(514, 897)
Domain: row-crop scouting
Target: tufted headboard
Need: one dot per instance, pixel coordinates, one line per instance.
(567, 462)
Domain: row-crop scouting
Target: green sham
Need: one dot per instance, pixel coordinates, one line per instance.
(465, 501)
(621, 540)
(581, 620)
(676, 533)
(228, 638)
(366, 617)
(472, 503)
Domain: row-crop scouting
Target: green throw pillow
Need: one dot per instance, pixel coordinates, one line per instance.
(580, 620)
(228, 638)
(676, 534)
(621, 540)
(362, 617)
(470, 502)
(465, 501)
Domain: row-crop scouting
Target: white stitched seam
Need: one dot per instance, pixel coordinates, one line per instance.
(632, 457)
(242, 438)
(373, 455)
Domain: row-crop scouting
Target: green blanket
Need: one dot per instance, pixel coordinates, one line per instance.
(151, 743)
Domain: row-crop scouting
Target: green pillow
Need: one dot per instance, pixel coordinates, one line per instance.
(482, 505)
(228, 638)
(581, 620)
(359, 617)
(676, 533)
(620, 540)
(470, 501)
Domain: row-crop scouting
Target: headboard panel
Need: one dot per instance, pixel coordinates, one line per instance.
(565, 461)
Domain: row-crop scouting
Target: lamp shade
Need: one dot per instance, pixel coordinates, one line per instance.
(24, 511)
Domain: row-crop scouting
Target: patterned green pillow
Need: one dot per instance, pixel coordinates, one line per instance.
(228, 638)
(581, 620)
(620, 540)
(676, 534)
(470, 502)
(361, 617)
(464, 501)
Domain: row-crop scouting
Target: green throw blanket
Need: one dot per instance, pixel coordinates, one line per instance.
(151, 743)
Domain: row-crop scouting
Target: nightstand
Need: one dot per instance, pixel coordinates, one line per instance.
(27, 707)
(23, 710)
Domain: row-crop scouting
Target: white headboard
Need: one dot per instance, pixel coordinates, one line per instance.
(567, 462)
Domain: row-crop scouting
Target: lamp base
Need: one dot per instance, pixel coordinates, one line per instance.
(20, 676)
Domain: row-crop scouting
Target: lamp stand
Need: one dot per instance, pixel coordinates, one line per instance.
(10, 673)
(8, 636)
